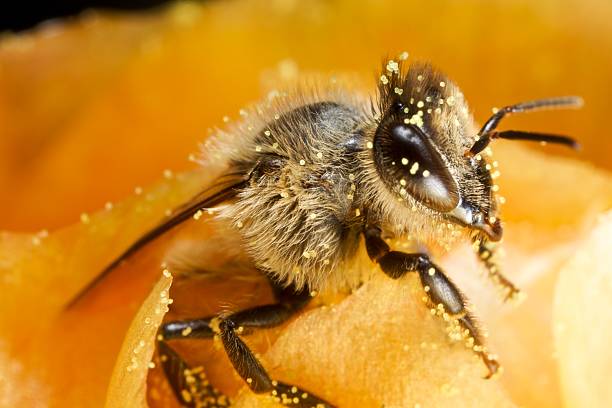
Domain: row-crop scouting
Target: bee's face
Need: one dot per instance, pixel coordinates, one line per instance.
(424, 159)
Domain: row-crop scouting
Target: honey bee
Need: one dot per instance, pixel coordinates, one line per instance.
(313, 176)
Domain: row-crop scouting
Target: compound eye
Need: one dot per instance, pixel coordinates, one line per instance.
(409, 164)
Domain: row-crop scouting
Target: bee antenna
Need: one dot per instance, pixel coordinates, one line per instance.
(487, 133)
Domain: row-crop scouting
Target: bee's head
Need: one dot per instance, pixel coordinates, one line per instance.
(428, 153)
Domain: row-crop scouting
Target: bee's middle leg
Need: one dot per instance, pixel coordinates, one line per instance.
(242, 358)
(442, 293)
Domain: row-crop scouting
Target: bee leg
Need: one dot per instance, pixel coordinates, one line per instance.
(289, 301)
(446, 299)
(255, 375)
(190, 385)
(486, 253)
(242, 358)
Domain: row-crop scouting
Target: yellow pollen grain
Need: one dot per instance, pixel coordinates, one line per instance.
(431, 271)
(302, 162)
(419, 77)
(426, 173)
(442, 84)
(392, 66)
(357, 212)
(186, 331)
(197, 215)
(414, 168)
(369, 145)
(319, 155)
(384, 79)
(398, 91)
(420, 104)
(225, 119)
(403, 56)
(404, 161)
(402, 182)
(267, 132)
(249, 380)
(258, 148)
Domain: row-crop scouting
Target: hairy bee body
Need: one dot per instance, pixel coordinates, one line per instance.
(316, 183)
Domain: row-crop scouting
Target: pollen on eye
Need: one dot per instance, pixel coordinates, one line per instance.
(414, 168)
(426, 173)
(403, 182)
(404, 161)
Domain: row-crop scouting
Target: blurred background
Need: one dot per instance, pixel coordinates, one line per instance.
(98, 98)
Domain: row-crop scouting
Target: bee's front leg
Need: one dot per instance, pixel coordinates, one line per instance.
(443, 295)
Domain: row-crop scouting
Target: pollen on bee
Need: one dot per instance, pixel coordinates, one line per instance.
(369, 145)
(398, 90)
(226, 119)
(198, 215)
(419, 77)
(442, 84)
(404, 161)
(267, 132)
(186, 331)
(284, 194)
(495, 187)
(357, 212)
(402, 182)
(426, 173)
(258, 148)
(450, 101)
(384, 79)
(302, 162)
(414, 168)
(420, 104)
(319, 154)
(406, 110)
(392, 66)
(431, 271)
(495, 110)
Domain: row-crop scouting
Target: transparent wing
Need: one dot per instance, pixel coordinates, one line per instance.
(222, 190)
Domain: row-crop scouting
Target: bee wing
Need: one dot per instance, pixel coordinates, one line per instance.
(222, 190)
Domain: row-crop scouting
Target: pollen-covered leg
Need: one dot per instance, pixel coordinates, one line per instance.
(190, 385)
(443, 296)
(486, 252)
(242, 358)
(255, 375)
